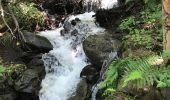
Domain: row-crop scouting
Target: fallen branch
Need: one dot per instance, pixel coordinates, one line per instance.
(17, 29)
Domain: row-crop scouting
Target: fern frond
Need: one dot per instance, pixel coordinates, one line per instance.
(138, 72)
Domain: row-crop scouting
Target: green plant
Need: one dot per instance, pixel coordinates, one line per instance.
(6, 40)
(143, 29)
(140, 72)
(111, 75)
(27, 14)
(2, 70)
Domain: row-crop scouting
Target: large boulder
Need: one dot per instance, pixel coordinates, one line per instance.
(81, 91)
(90, 74)
(30, 80)
(6, 93)
(37, 42)
(98, 48)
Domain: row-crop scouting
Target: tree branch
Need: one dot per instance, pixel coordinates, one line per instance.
(17, 29)
(3, 18)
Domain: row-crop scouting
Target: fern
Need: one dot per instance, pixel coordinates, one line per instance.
(111, 75)
(139, 71)
(164, 78)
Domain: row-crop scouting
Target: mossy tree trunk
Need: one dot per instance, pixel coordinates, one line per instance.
(166, 24)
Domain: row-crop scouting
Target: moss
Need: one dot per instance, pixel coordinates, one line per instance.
(7, 70)
(28, 15)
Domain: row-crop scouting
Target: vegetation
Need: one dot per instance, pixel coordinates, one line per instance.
(143, 29)
(137, 73)
(27, 14)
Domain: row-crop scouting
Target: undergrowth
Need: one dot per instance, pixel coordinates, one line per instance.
(145, 28)
(139, 72)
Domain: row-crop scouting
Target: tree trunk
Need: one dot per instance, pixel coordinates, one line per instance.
(166, 24)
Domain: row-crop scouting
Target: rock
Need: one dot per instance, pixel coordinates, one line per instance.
(8, 96)
(90, 74)
(165, 92)
(74, 32)
(30, 80)
(81, 91)
(36, 60)
(67, 26)
(26, 96)
(6, 93)
(62, 7)
(37, 42)
(98, 47)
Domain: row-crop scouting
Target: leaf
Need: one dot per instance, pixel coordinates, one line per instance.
(132, 76)
(2, 69)
(166, 54)
(161, 84)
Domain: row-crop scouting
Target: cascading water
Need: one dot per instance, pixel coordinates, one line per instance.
(64, 63)
(91, 5)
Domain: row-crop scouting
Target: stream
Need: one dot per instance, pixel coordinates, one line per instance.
(65, 62)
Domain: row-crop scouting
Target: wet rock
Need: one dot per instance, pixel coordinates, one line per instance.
(30, 80)
(26, 96)
(74, 32)
(6, 93)
(67, 26)
(73, 22)
(81, 91)
(90, 74)
(62, 32)
(37, 42)
(8, 96)
(98, 47)
(36, 60)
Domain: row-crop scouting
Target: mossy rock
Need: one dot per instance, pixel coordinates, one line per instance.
(98, 47)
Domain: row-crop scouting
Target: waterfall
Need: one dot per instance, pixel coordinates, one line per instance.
(91, 5)
(64, 63)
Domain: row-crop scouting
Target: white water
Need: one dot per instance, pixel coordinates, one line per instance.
(64, 63)
(108, 4)
(104, 4)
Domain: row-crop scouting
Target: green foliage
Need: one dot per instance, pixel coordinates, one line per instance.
(134, 75)
(2, 70)
(143, 29)
(6, 40)
(8, 69)
(111, 94)
(166, 54)
(164, 78)
(137, 72)
(27, 14)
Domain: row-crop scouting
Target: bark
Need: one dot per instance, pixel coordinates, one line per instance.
(166, 24)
